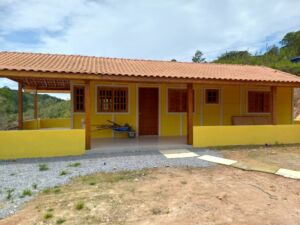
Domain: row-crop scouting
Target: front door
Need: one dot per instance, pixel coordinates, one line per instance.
(148, 111)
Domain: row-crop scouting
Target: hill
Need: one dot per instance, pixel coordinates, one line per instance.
(48, 107)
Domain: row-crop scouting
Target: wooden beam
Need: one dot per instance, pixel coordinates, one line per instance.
(189, 114)
(20, 106)
(273, 104)
(19, 75)
(87, 107)
(35, 105)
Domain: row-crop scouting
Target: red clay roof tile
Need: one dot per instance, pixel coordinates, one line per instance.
(131, 67)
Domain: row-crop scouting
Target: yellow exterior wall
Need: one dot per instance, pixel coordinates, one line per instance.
(208, 136)
(233, 102)
(47, 123)
(41, 143)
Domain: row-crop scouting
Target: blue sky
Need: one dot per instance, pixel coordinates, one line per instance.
(148, 29)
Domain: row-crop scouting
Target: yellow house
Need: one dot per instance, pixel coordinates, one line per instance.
(161, 98)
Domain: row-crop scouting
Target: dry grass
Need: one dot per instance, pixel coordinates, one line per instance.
(285, 156)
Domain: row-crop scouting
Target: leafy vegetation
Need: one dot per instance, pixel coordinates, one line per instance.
(79, 205)
(26, 192)
(43, 167)
(48, 107)
(277, 57)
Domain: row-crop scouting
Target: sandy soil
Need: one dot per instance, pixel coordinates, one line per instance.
(217, 195)
(279, 156)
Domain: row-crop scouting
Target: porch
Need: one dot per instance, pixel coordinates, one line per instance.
(142, 143)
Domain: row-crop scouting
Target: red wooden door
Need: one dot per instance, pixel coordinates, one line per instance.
(148, 111)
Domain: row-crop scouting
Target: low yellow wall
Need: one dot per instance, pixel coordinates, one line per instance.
(31, 124)
(41, 143)
(52, 123)
(46, 123)
(206, 136)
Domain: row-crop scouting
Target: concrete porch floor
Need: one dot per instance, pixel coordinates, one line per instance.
(143, 143)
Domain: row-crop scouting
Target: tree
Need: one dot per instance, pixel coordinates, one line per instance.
(291, 41)
(197, 58)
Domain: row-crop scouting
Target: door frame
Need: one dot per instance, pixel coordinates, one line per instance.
(138, 86)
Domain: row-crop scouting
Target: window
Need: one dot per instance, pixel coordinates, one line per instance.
(177, 99)
(258, 102)
(78, 99)
(212, 96)
(112, 99)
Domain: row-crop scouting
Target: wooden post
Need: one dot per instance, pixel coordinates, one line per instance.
(87, 107)
(20, 106)
(35, 105)
(273, 104)
(189, 114)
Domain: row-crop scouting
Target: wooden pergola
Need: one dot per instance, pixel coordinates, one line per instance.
(40, 84)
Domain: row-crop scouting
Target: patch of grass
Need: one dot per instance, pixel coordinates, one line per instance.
(9, 192)
(63, 173)
(92, 183)
(156, 211)
(79, 205)
(76, 164)
(60, 221)
(50, 210)
(48, 216)
(115, 177)
(34, 186)
(43, 167)
(47, 190)
(56, 190)
(183, 182)
(26, 192)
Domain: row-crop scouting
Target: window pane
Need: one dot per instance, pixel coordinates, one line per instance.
(78, 103)
(212, 96)
(258, 102)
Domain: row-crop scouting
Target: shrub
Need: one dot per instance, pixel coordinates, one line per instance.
(9, 193)
(76, 164)
(26, 192)
(60, 221)
(79, 205)
(43, 167)
(63, 173)
(48, 216)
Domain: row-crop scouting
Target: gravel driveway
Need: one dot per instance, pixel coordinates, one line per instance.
(17, 176)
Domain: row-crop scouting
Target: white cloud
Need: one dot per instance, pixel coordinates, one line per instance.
(149, 29)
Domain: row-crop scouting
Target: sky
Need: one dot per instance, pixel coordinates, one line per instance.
(147, 29)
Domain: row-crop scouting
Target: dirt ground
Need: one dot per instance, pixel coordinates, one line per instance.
(284, 156)
(215, 195)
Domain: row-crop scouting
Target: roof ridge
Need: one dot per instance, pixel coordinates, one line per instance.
(130, 59)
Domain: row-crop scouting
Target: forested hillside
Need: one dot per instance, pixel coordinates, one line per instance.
(276, 56)
(48, 107)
